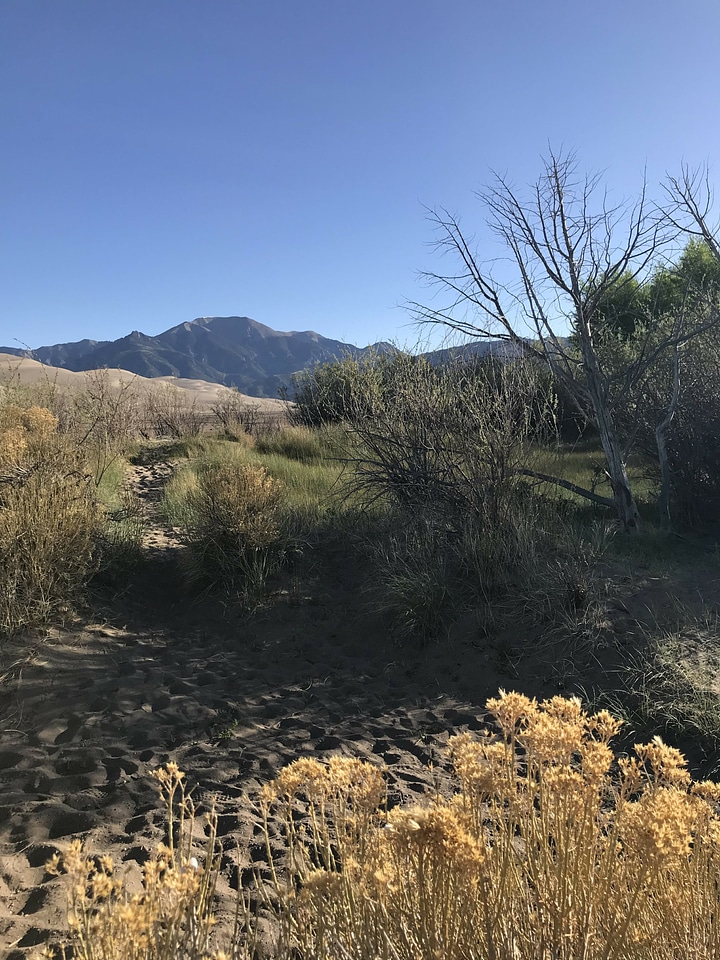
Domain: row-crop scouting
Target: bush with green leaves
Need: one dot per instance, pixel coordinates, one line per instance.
(335, 392)
(672, 414)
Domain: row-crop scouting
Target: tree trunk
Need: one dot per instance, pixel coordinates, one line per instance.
(661, 432)
(625, 506)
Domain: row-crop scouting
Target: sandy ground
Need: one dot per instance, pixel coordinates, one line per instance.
(99, 707)
(88, 711)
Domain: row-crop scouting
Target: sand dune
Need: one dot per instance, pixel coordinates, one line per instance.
(25, 371)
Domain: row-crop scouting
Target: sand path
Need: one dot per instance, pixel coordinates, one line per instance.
(88, 713)
(231, 698)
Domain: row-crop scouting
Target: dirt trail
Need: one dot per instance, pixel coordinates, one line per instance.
(147, 482)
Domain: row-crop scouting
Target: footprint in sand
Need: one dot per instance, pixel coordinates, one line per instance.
(61, 730)
(38, 855)
(36, 901)
(69, 822)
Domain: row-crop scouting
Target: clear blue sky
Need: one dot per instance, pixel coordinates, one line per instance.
(168, 159)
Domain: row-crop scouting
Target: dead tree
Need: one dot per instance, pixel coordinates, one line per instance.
(571, 251)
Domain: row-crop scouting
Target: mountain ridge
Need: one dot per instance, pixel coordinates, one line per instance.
(233, 351)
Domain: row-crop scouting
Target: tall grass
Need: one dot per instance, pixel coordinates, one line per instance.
(584, 465)
(305, 444)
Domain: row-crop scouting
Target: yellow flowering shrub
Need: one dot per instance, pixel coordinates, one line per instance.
(551, 848)
(171, 919)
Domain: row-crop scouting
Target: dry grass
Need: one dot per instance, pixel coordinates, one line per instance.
(48, 519)
(673, 681)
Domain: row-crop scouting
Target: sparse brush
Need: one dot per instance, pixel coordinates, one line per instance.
(671, 680)
(232, 527)
(171, 919)
(48, 520)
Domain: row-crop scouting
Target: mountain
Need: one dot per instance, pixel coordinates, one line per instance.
(475, 350)
(234, 351)
(59, 355)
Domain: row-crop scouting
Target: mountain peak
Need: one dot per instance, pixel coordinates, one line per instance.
(234, 351)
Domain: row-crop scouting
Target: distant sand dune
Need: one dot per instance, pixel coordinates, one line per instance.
(26, 371)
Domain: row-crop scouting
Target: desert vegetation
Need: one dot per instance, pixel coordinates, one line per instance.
(544, 519)
(540, 850)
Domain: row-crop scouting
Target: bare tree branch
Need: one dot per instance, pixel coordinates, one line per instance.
(570, 253)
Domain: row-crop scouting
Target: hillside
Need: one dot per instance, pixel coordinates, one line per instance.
(233, 351)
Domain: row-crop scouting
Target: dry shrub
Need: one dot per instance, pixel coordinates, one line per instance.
(542, 853)
(171, 411)
(232, 527)
(236, 415)
(550, 848)
(103, 418)
(23, 430)
(48, 519)
(171, 919)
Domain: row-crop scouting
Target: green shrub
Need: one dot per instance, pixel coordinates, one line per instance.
(231, 527)
(334, 392)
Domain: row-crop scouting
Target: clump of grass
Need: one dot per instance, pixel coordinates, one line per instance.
(111, 490)
(673, 681)
(48, 520)
(232, 527)
(171, 919)
(176, 499)
(414, 585)
(120, 541)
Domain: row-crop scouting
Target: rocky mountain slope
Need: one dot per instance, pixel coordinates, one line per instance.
(233, 351)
